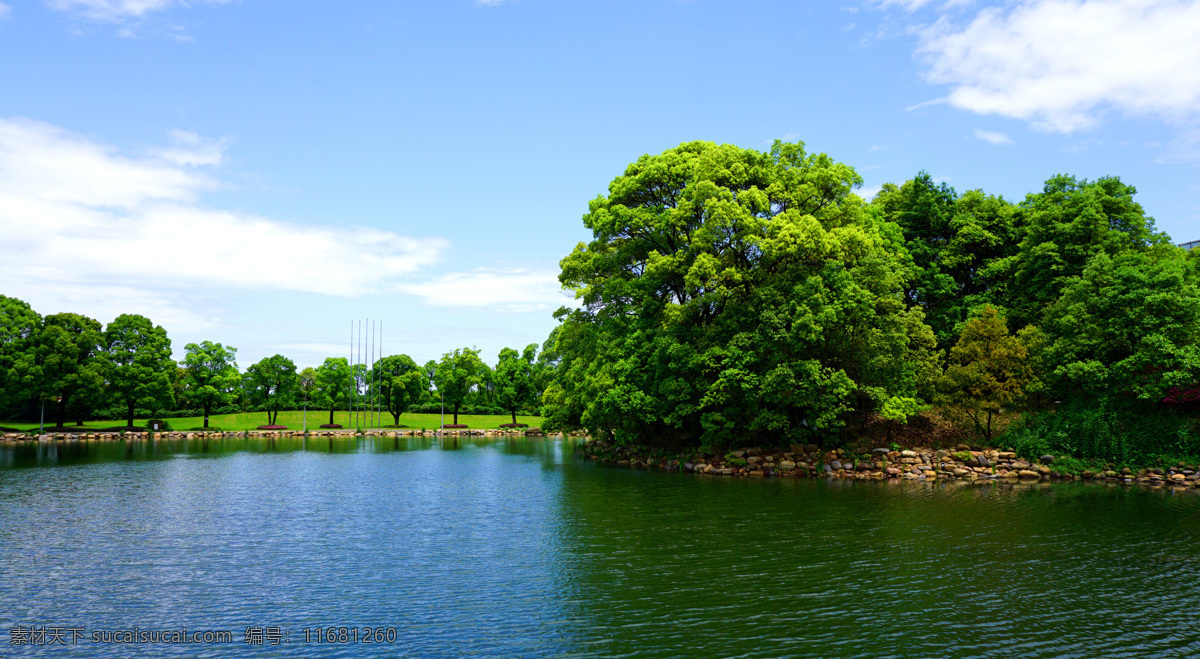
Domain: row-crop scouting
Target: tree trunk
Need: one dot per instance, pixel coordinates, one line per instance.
(331, 416)
(61, 414)
(130, 424)
(395, 417)
(456, 414)
(514, 416)
(207, 410)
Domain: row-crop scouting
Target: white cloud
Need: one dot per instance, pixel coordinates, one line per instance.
(5, 11)
(514, 289)
(1060, 64)
(914, 5)
(993, 137)
(190, 149)
(87, 226)
(116, 10)
(868, 192)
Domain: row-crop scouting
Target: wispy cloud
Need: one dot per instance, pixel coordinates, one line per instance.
(129, 234)
(116, 11)
(868, 192)
(993, 137)
(188, 148)
(1060, 64)
(5, 11)
(914, 5)
(514, 289)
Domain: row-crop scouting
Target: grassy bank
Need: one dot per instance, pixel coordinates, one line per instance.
(294, 420)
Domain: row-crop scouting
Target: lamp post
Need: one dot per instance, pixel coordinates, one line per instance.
(443, 399)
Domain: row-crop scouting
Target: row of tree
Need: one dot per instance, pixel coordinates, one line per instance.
(734, 296)
(79, 368)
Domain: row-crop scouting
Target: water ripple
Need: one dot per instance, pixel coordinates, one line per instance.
(514, 548)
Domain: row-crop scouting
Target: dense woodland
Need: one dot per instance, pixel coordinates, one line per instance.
(735, 297)
(79, 370)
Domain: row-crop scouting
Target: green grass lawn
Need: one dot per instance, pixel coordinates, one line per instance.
(294, 421)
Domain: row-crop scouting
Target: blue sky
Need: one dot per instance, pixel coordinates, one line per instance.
(258, 173)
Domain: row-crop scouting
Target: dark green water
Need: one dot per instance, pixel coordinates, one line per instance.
(515, 548)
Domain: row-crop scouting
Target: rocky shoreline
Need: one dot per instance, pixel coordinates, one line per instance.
(963, 463)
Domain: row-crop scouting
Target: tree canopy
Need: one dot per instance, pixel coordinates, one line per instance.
(272, 384)
(334, 382)
(139, 363)
(455, 375)
(730, 294)
(210, 376)
(401, 383)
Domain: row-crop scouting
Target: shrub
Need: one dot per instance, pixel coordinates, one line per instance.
(455, 425)
(514, 425)
(335, 426)
(272, 428)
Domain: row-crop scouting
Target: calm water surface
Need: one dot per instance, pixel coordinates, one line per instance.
(516, 548)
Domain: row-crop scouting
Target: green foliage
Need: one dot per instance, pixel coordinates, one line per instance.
(333, 384)
(63, 364)
(1129, 326)
(1108, 429)
(515, 380)
(139, 364)
(272, 384)
(19, 325)
(456, 374)
(730, 294)
(401, 384)
(953, 241)
(1066, 225)
(988, 371)
(210, 375)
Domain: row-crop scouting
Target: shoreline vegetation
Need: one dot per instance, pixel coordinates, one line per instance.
(733, 297)
(294, 420)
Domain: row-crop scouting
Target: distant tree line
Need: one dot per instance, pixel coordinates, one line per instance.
(78, 370)
(730, 296)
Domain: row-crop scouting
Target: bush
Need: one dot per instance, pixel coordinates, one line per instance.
(455, 425)
(514, 425)
(335, 426)
(272, 428)
(1107, 431)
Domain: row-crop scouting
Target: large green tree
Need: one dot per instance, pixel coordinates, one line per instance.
(211, 375)
(516, 387)
(334, 382)
(401, 384)
(456, 374)
(988, 372)
(139, 364)
(732, 295)
(955, 242)
(1128, 326)
(1065, 226)
(19, 325)
(272, 384)
(67, 365)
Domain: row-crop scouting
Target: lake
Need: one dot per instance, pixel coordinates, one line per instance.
(515, 548)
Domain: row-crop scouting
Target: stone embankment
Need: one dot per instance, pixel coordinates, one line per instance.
(248, 434)
(961, 464)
